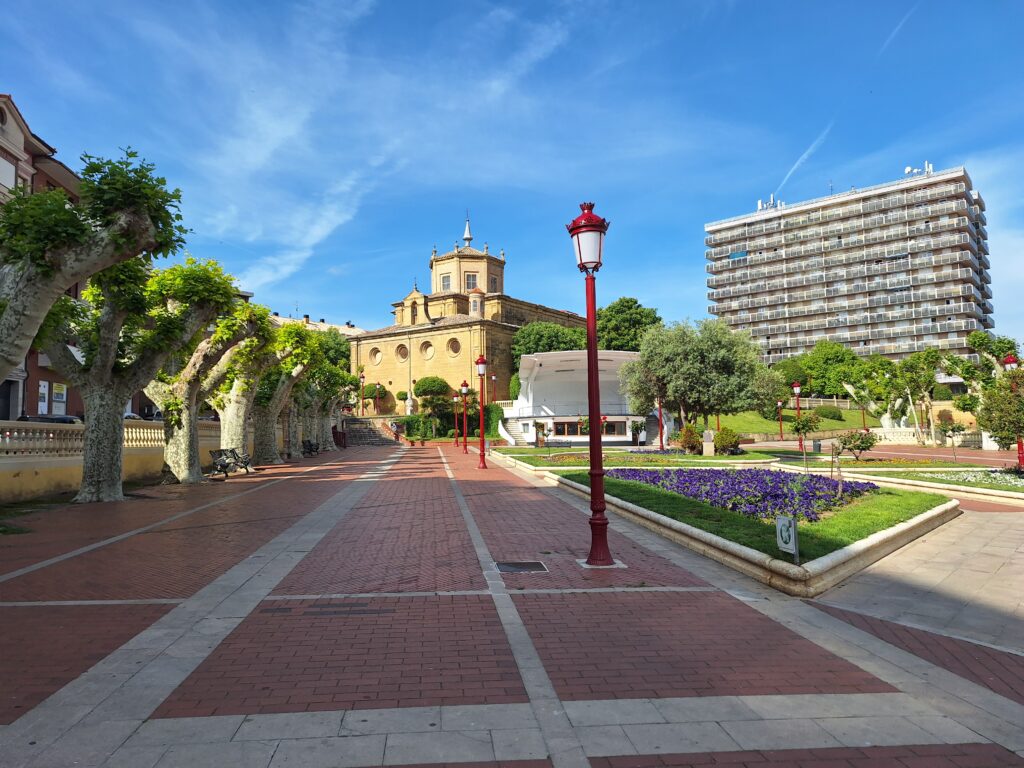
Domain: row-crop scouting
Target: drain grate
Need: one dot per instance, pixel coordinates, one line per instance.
(521, 566)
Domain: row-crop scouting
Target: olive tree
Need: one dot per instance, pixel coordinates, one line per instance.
(133, 319)
(48, 244)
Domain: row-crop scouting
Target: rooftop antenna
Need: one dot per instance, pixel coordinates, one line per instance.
(467, 235)
(830, 186)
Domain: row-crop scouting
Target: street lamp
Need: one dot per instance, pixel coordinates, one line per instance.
(778, 410)
(362, 392)
(455, 410)
(1011, 364)
(796, 391)
(494, 387)
(465, 429)
(661, 428)
(587, 232)
(481, 371)
(376, 400)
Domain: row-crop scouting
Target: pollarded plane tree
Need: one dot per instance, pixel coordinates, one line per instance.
(133, 318)
(48, 244)
(189, 376)
(315, 398)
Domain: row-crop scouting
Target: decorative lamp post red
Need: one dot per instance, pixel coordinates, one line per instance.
(455, 410)
(362, 392)
(465, 429)
(778, 410)
(481, 371)
(587, 231)
(494, 387)
(661, 428)
(1011, 364)
(796, 391)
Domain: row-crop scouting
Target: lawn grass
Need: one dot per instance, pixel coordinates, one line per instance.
(873, 512)
(580, 459)
(753, 422)
(866, 465)
(989, 480)
(523, 451)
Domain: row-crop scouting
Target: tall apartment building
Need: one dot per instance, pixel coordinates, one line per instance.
(890, 269)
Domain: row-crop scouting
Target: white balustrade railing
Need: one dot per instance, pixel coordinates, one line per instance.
(28, 438)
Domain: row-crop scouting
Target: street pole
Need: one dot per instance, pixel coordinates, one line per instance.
(778, 410)
(465, 428)
(1011, 363)
(481, 368)
(796, 391)
(494, 387)
(661, 428)
(455, 410)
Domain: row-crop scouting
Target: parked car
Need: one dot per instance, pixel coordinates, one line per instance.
(53, 419)
(132, 417)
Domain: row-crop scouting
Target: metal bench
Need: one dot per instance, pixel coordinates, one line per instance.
(223, 461)
(309, 448)
(241, 459)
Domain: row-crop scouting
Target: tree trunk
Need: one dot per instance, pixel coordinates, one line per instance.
(103, 443)
(181, 447)
(295, 435)
(234, 417)
(264, 449)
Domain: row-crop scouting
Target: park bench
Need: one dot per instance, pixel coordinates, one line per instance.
(558, 444)
(242, 459)
(223, 461)
(309, 448)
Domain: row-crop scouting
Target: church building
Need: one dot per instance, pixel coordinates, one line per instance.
(443, 332)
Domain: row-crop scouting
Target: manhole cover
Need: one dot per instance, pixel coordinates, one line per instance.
(521, 566)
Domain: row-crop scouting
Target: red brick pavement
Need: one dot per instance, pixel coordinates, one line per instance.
(44, 648)
(998, 671)
(499, 764)
(305, 655)
(406, 535)
(927, 756)
(668, 644)
(520, 521)
(177, 559)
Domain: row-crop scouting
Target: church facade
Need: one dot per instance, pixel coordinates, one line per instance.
(442, 333)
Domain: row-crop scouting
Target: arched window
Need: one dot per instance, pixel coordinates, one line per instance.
(415, 313)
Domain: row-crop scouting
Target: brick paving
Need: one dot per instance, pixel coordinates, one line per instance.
(44, 648)
(675, 644)
(308, 655)
(924, 756)
(407, 535)
(998, 671)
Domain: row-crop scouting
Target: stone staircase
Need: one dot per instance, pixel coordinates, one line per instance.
(365, 432)
(515, 431)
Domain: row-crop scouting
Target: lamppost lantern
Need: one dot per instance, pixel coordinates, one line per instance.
(587, 231)
(464, 389)
(1010, 362)
(778, 403)
(362, 392)
(481, 366)
(796, 387)
(796, 391)
(481, 369)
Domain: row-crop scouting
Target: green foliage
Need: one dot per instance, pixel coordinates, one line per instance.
(493, 414)
(1002, 410)
(830, 412)
(825, 365)
(767, 389)
(857, 443)
(370, 391)
(432, 386)
(545, 337)
(401, 396)
(688, 438)
(951, 428)
(942, 392)
(792, 370)
(968, 403)
(636, 427)
(31, 226)
(622, 323)
(514, 385)
(805, 424)
(726, 441)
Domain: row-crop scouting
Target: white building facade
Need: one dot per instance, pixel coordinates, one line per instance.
(890, 269)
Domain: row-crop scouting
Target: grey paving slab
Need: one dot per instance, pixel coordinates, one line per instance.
(833, 705)
(299, 725)
(135, 757)
(781, 734)
(398, 720)
(947, 729)
(339, 752)
(876, 731)
(705, 709)
(679, 737)
(487, 718)
(186, 730)
(519, 744)
(443, 747)
(86, 745)
(605, 741)
(614, 712)
(242, 754)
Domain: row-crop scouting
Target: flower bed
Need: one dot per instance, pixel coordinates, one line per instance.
(995, 479)
(756, 493)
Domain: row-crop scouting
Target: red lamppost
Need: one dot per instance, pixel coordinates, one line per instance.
(587, 231)
(494, 387)
(1011, 364)
(465, 429)
(455, 410)
(481, 370)
(362, 392)
(863, 418)
(778, 410)
(376, 400)
(661, 428)
(796, 391)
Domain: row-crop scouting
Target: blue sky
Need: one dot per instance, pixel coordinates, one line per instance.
(324, 147)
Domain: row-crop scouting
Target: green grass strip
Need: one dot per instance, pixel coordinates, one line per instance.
(984, 480)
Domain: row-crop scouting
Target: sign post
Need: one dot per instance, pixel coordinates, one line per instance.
(786, 536)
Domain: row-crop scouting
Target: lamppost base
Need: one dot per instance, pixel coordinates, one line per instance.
(600, 556)
(589, 567)
(482, 464)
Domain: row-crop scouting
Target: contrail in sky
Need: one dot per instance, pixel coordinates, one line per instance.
(896, 30)
(807, 153)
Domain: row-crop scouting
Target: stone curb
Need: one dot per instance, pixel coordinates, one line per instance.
(522, 466)
(807, 580)
(987, 494)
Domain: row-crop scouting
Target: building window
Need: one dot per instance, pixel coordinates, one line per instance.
(415, 313)
(402, 353)
(494, 284)
(476, 305)
(427, 350)
(454, 347)
(470, 281)
(446, 282)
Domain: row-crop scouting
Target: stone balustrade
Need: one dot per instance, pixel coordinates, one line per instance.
(29, 438)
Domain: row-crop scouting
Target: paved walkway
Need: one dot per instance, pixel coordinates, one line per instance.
(347, 611)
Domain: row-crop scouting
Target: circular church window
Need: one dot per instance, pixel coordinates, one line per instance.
(427, 350)
(402, 352)
(454, 347)
(376, 356)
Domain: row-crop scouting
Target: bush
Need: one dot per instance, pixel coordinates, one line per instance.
(432, 386)
(413, 426)
(689, 439)
(830, 412)
(727, 441)
(451, 433)
(401, 396)
(858, 442)
(514, 385)
(769, 412)
(493, 414)
(945, 416)
(942, 392)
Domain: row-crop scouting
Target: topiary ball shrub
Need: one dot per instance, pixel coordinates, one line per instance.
(691, 440)
(830, 412)
(726, 442)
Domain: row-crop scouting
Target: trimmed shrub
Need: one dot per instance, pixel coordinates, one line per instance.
(858, 442)
(451, 433)
(514, 385)
(830, 412)
(432, 386)
(727, 441)
(690, 440)
(401, 396)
